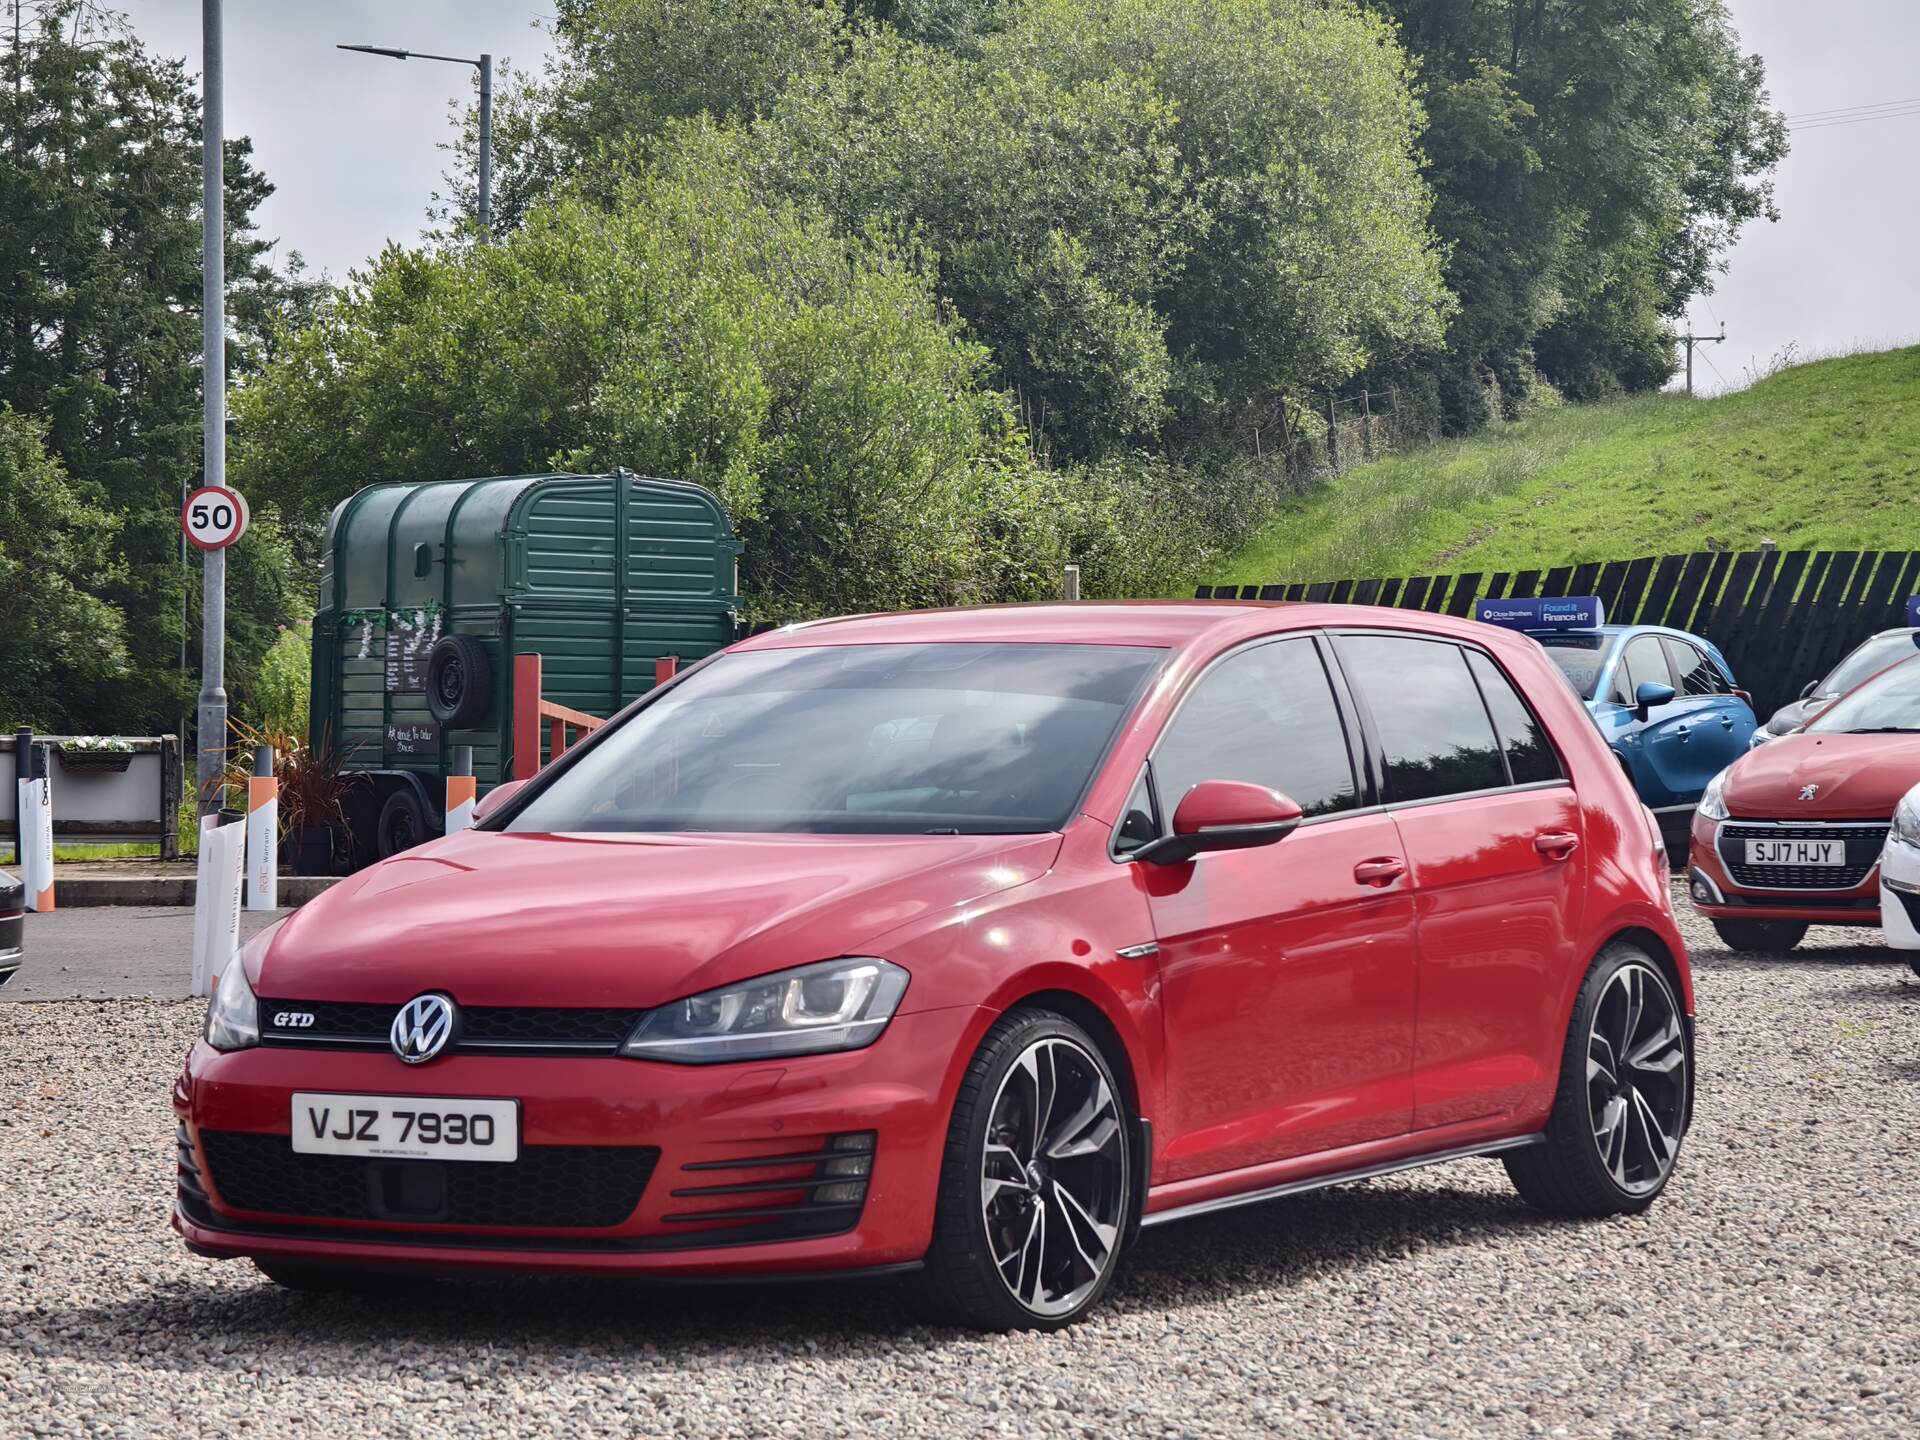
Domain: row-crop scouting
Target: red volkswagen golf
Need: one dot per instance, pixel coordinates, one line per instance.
(965, 944)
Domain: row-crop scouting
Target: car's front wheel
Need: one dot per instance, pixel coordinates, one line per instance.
(1625, 1096)
(1760, 934)
(1035, 1185)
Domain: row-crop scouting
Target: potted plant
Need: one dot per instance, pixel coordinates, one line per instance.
(312, 789)
(95, 754)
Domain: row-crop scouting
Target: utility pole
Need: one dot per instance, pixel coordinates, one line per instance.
(213, 387)
(1692, 340)
(485, 66)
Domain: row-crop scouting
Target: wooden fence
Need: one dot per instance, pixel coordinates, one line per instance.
(1781, 619)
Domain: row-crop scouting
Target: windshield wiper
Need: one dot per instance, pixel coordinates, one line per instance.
(1887, 730)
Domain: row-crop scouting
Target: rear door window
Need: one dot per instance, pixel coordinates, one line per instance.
(1695, 671)
(1266, 716)
(1531, 758)
(1434, 730)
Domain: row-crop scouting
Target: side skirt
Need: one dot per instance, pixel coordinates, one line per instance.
(1340, 1177)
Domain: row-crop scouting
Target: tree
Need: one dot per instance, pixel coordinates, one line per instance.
(1592, 161)
(689, 329)
(56, 546)
(100, 290)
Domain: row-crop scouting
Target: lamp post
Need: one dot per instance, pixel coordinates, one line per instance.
(213, 387)
(485, 66)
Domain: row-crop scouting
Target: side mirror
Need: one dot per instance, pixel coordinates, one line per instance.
(1812, 685)
(495, 798)
(1650, 694)
(1223, 815)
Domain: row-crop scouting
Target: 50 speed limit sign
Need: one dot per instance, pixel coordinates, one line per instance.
(213, 517)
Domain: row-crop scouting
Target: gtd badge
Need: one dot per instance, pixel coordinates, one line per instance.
(422, 1028)
(293, 1019)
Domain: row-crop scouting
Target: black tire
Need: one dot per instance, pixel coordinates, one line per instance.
(961, 1284)
(403, 823)
(1569, 1173)
(1760, 934)
(459, 682)
(311, 1279)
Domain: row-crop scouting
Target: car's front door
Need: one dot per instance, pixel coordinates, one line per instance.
(1493, 833)
(1286, 972)
(1659, 749)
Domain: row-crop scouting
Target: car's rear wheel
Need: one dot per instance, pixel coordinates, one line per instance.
(1035, 1193)
(1760, 934)
(1625, 1096)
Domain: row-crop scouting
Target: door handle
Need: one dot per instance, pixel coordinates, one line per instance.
(1556, 844)
(1726, 722)
(1683, 731)
(1381, 872)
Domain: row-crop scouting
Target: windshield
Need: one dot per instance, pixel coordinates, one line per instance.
(1580, 658)
(1889, 702)
(952, 739)
(1870, 659)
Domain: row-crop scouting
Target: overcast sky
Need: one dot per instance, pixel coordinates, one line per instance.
(351, 142)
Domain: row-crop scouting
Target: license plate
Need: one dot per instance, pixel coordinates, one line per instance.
(406, 1127)
(1796, 852)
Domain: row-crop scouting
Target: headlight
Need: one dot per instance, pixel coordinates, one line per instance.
(1713, 800)
(233, 1017)
(1760, 736)
(1906, 818)
(836, 1005)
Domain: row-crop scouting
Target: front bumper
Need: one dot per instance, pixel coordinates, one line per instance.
(722, 1199)
(1900, 894)
(1717, 895)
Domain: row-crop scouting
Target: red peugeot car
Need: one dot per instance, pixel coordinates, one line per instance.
(1790, 835)
(965, 944)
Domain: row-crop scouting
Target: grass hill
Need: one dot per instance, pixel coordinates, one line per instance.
(1822, 456)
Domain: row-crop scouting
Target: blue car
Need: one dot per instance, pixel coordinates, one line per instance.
(1667, 704)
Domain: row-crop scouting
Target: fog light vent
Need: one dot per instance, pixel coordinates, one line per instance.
(816, 1190)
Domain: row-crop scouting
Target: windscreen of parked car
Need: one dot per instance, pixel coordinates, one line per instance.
(1886, 704)
(945, 739)
(1869, 659)
(1581, 658)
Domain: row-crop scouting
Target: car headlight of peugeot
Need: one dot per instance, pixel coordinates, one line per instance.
(1906, 819)
(1713, 800)
(810, 1010)
(233, 1016)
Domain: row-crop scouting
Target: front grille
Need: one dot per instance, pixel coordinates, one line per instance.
(559, 1186)
(1863, 842)
(484, 1030)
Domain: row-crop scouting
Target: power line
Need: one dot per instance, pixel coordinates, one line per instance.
(1851, 109)
(1715, 368)
(1856, 120)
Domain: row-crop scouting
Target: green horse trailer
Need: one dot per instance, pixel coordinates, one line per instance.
(430, 590)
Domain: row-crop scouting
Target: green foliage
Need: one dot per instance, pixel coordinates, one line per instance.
(1815, 457)
(282, 683)
(690, 330)
(100, 300)
(56, 545)
(1592, 161)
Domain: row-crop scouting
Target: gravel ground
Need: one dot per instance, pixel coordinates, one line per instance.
(1775, 1290)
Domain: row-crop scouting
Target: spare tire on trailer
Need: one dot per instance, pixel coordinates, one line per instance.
(459, 682)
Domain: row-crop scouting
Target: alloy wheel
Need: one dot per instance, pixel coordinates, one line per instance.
(1053, 1177)
(1637, 1079)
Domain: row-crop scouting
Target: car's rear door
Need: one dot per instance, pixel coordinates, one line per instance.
(1286, 972)
(1493, 833)
(1723, 722)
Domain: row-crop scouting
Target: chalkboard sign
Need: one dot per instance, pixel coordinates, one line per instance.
(406, 664)
(414, 742)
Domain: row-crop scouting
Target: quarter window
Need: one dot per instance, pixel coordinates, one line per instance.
(1530, 755)
(1265, 716)
(1433, 728)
